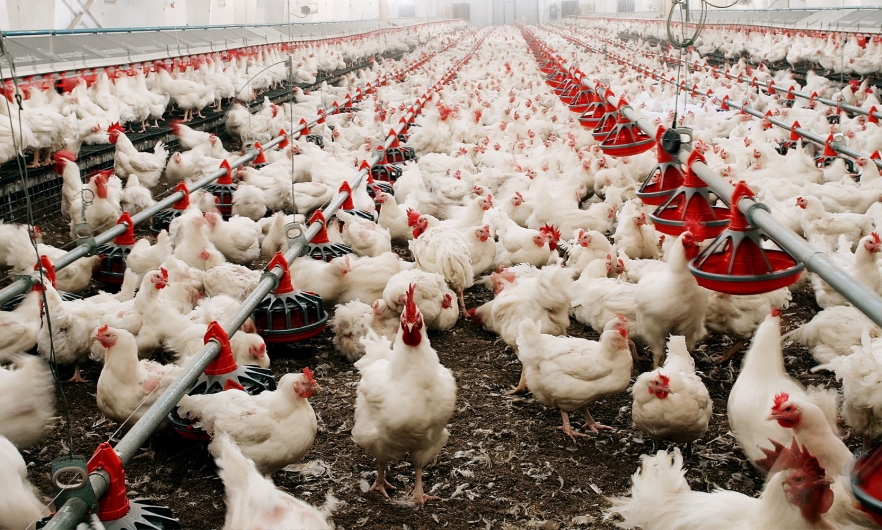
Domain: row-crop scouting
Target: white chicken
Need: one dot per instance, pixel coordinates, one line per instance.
(404, 400)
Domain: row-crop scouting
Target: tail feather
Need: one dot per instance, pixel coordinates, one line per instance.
(659, 477)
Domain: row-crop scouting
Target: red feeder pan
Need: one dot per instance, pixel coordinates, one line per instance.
(736, 263)
(607, 123)
(162, 219)
(664, 178)
(582, 100)
(112, 268)
(866, 483)
(321, 247)
(626, 138)
(690, 203)
(222, 374)
(289, 315)
(595, 111)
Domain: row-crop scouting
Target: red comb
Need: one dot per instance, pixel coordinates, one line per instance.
(164, 272)
(103, 329)
(309, 374)
(664, 379)
(410, 307)
(876, 238)
(776, 312)
(780, 399)
(60, 157)
(412, 217)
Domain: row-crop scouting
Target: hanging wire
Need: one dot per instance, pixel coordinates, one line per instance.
(23, 177)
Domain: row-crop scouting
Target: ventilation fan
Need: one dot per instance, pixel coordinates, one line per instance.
(308, 8)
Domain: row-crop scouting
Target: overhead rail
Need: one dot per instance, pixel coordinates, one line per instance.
(759, 214)
(71, 513)
(726, 103)
(89, 247)
(863, 19)
(46, 52)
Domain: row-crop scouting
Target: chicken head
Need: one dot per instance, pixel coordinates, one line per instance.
(411, 320)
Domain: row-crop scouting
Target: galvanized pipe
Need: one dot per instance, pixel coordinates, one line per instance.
(24, 283)
(72, 512)
(861, 296)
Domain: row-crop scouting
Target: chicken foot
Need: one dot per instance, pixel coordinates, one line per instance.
(418, 495)
(568, 429)
(522, 385)
(380, 484)
(76, 377)
(591, 424)
(731, 351)
(37, 162)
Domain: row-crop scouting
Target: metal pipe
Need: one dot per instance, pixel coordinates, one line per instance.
(141, 431)
(68, 516)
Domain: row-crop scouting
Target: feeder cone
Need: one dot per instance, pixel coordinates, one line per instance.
(185, 200)
(226, 178)
(285, 285)
(871, 115)
(284, 143)
(304, 127)
(794, 136)
(875, 155)
(828, 150)
(626, 138)
(690, 203)
(259, 159)
(322, 236)
(224, 363)
(127, 238)
(736, 262)
(347, 202)
(664, 178)
(113, 504)
(48, 268)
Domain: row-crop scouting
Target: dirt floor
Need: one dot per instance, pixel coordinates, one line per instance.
(505, 465)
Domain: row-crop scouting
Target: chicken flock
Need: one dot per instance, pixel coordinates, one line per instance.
(509, 193)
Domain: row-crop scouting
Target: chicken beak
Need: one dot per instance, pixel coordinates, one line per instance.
(772, 416)
(409, 327)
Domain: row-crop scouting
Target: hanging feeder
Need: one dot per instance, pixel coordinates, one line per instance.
(222, 374)
(792, 143)
(49, 274)
(163, 218)
(690, 203)
(115, 510)
(582, 100)
(626, 138)
(349, 207)
(664, 178)
(607, 122)
(595, 111)
(383, 170)
(289, 315)
(223, 189)
(373, 185)
(321, 247)
(736, 262)
(112, 267)
(866, 483)
(316, 139)
(397, 153)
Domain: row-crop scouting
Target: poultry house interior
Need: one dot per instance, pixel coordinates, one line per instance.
(431, 264)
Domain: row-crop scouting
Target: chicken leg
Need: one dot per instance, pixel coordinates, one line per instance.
(36, 162)
(731, 351)
(462, 306)
(591, 424)
(522, 385)
(418, 495)
(76, 377)
(380, 484)
(568, 429)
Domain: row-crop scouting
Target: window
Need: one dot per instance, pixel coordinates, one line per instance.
(462, 11)
(407, 11)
